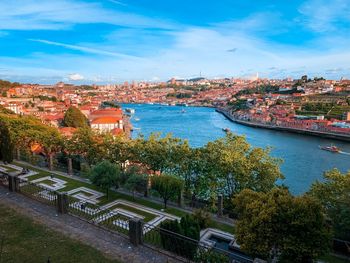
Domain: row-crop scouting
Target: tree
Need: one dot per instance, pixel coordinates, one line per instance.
(6, 145)
(52, 142)
(163, 154)
(75, 118)
(333, 193)
(278, 224)
(105, 175)
(120, 149)
(136, 183)
(230, 165)
(88, 144)
(167, 186)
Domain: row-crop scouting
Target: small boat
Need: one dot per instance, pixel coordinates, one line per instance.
(129, 110)
(333, 149)
(136, 119)
(226, 130)
(183, 111)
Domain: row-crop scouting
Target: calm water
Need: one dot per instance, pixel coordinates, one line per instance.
(303, 163)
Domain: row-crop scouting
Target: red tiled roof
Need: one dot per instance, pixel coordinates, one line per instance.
(117, 131)
(106, 120)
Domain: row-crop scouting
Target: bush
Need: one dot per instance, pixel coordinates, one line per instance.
(187, 227)
(202, 217)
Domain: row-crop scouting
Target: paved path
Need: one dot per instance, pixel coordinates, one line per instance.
(110, 244)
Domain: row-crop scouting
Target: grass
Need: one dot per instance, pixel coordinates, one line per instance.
(147, 216)
(47, 182)
(72, 184)
(27, 241)
(9, 169)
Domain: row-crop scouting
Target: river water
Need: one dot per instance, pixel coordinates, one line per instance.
(303, 163)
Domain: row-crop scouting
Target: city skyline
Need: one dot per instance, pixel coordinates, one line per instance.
(115, 41)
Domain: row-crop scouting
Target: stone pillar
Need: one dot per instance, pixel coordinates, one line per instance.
(13, 183)
(70, 166)
(220, 205)
(62, 203)
(135, 231)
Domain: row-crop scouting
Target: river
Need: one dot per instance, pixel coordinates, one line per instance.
(303, 164)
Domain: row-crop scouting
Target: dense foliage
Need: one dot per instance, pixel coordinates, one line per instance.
(334, 195)
(6, 144)
(167, 186)
(105, 175)
(276, 224)
(187, 227)
(75, 118)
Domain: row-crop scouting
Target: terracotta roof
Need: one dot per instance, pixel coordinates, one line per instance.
(107, 111)
(106, 120)
(67, 131)
(117, 131)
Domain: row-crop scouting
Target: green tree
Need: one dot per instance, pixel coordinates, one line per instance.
(136, 183)
(105, 175)
(6, 145)
(333, 193)
(167, 186)
(121, 149)
(75, 118)
(88, 144)
(278, 224)
(163, 154)
(230, 165)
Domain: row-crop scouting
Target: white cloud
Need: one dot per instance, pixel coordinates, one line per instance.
(323, 15)
(83, 49)
(56, 15)
(75, 77)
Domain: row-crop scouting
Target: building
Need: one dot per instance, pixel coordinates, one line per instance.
(107, 123)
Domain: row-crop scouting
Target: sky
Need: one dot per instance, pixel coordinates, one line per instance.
(112, 41)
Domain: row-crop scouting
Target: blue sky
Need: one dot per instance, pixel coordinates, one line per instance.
(111, 41)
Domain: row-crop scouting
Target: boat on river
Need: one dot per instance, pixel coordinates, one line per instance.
(130, 110)
(332, 148)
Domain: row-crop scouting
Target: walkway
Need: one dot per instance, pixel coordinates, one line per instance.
(110, 244)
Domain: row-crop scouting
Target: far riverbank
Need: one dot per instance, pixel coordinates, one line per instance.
(334, 136)
(304, 162)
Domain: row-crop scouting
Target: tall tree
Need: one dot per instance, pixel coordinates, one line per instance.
(136, 183)
(75, 118)
(162, 154)
(6, 144)
(278, 224)
(334, 195)
(167, 186)
(105, 175)
(232, 165)
(88, 144)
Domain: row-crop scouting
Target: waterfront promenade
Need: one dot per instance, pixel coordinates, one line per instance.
(329, 135)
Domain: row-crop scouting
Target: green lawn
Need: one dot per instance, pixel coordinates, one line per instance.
(26, 241)
(8, 169)
(72, 184)
(147, 216)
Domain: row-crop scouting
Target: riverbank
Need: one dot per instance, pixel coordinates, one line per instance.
(340, 137)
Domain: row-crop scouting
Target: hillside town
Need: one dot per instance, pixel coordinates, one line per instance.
(313, 104)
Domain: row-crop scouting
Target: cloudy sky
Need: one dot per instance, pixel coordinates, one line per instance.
(110, 41)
